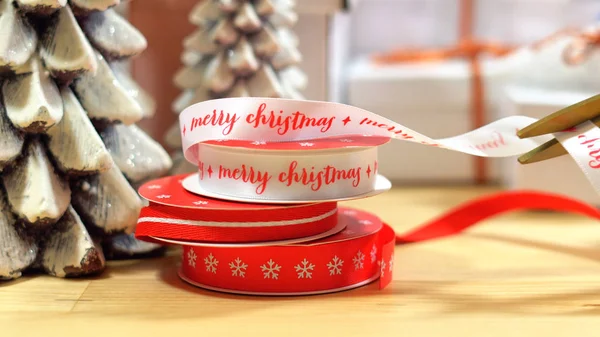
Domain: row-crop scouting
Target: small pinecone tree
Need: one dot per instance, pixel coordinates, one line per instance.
(242, 48)
(70, 153)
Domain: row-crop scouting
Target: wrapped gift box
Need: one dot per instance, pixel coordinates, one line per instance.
(380, 25)
(432, 98)
(559, 175)
(547, 64)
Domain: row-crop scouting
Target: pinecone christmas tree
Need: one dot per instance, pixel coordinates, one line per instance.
(241, 48)
(70, 153)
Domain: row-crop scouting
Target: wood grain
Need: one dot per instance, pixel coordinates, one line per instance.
(229, 52)
(264, 83)
(94, 5)
(113, 35)
(287, 56)
(18, 39)
(36, 192)
(107, 201)
(69, 250)
(242, 59)
(137, 155)
(219, 78)
(191, 77)
(105, 98)
(65, 51)
(147, 103)
(32, 100)
(11, 140)
(203, 12)
(44, 6)
(521, 274)
(246, 19)
(74, 143)
(17, 249)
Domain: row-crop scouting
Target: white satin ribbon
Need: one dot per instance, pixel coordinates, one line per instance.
(277, 175)
(280, 120)
(583, 144)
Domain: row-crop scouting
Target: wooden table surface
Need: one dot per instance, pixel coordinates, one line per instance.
(520, 274)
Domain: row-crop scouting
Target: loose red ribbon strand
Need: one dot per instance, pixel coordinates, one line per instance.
(475, 211)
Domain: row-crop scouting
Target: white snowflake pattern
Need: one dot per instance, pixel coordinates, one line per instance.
(335, 266)
(259, 143)
(346, 140)
(373, 254)
(307, 144)
(366, 222)
(219, 140)
(304, 269)
(349, 212)
(358, 260)
(192, 258)
(154, 187)
(163, 196)
(391, 263)
(200, 202)
(238, 267)
(382, 265)
(271, 269)
(211, 263)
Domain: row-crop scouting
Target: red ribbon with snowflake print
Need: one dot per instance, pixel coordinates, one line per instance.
(361, 254)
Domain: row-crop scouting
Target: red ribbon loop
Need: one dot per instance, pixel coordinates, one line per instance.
(477, 210)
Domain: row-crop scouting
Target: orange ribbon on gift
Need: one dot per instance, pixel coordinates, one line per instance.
(467, 47)
(470, 48)
(576, 52)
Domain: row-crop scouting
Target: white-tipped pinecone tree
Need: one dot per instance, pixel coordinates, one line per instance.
(70, 153)
(241, 48)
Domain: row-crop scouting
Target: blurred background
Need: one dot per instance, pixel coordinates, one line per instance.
(339, 42)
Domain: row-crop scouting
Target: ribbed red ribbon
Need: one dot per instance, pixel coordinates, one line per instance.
(475, 211)
(161, 221)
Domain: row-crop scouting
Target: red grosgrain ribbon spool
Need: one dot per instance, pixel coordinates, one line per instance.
(176, 214)
(360, 254)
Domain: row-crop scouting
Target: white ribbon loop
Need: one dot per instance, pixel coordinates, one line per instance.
(281, 120)
(583, 144)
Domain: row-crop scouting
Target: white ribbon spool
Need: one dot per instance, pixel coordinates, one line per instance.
(306, 174)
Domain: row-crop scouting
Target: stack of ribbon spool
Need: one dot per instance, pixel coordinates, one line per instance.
(262, 217)
(261, 214)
